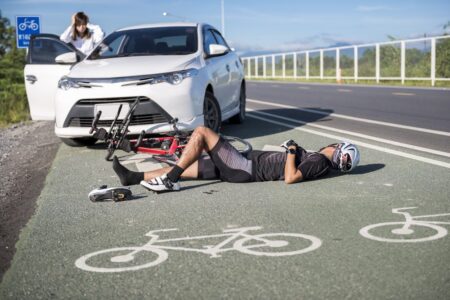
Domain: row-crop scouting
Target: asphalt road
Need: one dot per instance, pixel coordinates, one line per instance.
(322, 243)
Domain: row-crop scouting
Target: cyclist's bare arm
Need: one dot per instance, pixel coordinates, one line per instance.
(291, 173)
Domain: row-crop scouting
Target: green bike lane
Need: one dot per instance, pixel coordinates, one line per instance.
(67, 226)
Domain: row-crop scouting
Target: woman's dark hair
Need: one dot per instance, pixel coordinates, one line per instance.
(80, 19)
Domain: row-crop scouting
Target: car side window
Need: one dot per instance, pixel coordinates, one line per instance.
(208, 39)
(44, 51)
(220, 39)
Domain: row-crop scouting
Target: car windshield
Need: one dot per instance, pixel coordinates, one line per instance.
(148, 41)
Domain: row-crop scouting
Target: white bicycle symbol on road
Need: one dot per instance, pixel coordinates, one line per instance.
(28, 24)
(114, 259)
(403, 230)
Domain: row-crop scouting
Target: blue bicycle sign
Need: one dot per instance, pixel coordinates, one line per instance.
(26, 26)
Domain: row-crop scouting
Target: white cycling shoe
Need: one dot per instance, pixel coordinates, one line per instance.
(161, 184)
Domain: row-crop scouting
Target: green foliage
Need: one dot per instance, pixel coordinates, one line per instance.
(13, 99)
(443, 58)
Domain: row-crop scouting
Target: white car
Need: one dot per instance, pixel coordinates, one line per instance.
(179, 70)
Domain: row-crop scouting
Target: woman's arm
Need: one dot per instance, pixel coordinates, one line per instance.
(291, 173)
(97, 33)
(66, 35)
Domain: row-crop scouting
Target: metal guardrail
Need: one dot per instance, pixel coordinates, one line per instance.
(425, 59)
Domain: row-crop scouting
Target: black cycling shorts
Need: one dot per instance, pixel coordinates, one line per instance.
(226, 163)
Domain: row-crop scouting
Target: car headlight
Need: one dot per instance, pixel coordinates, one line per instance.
(177, 77)
(66, 83)
(172, 78)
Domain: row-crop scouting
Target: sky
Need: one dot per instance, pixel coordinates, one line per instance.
(253, 26)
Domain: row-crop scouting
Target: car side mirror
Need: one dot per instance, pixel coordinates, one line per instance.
(216, 50)
(67, 58)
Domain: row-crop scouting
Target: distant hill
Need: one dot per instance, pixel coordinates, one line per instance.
(244, 52)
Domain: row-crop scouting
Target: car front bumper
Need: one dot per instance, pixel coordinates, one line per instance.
(76, 107)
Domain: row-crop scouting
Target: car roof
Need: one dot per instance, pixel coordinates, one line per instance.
(156, 25)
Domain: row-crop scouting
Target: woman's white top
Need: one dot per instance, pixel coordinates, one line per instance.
(85, 45)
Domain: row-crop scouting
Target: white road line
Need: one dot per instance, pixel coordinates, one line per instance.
(344, 90)
(368, 137)
(362, 144)
(303, 88)
(403, 94)
(444, 133)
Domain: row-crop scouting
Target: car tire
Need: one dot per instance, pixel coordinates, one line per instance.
(240, 117)
(79, 142)
(211, 112)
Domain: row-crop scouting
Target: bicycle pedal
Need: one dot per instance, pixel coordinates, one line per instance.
(101, 134)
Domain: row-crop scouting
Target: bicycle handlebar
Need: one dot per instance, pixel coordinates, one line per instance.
(94, 122)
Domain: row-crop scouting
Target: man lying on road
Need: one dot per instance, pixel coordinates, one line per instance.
(226, 163)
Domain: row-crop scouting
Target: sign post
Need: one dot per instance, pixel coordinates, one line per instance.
(26, 26)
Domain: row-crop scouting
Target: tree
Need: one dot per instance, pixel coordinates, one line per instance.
(9, 53)
(13, 101)
(6, 34)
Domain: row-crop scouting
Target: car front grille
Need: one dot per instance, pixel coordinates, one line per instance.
(135, 120)
(112, 100)
(147, 112)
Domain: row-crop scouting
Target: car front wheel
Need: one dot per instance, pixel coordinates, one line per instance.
(240, 117)
(211, 112)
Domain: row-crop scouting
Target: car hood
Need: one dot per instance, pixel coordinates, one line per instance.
(132, 66)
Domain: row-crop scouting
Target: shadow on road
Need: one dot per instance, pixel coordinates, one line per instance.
(247, 129)
(364, 169)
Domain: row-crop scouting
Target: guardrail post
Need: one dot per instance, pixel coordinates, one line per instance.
(433, 62)
(273, 66)
(355, 63)
(264, 67)
(294, 65)
(321, 64)
(249, 67)
(338, 73)
(256, 66)
(284, 65)
(307, 64)
(402, 61)
(377, 63)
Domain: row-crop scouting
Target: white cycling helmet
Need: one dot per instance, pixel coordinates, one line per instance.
(353, 157)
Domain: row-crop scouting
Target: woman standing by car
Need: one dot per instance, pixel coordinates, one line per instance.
(82, 34)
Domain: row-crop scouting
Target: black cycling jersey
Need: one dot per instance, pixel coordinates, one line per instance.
(314, 165)
(229, 165)
(269, 165)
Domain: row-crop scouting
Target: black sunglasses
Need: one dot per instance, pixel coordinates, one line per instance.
(348, 164)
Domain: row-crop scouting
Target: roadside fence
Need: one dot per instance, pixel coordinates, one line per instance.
(424, 59)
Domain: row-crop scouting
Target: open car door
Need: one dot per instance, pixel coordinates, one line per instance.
(42, 73)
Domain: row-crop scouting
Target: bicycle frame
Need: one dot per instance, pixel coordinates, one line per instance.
(176, 140)
(212, 250)
(116, 137)
(409, 219)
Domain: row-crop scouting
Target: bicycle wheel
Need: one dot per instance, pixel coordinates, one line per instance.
(440, 232)
(82, 262)
(312, 244)
(240, 144)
